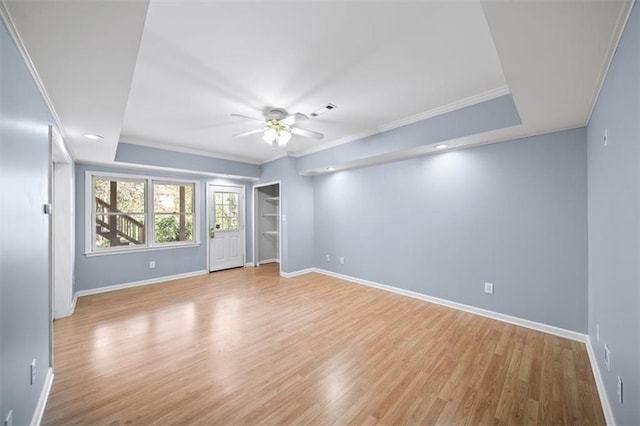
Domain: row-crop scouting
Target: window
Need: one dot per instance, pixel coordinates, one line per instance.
(122, 208)
(226, 211)
(173, 212)
(119, 212)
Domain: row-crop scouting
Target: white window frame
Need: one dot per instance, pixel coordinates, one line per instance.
(150, 244)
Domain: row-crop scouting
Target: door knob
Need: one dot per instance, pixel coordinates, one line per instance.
(212, 233)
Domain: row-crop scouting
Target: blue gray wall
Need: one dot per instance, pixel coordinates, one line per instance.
(136, 154)
(513, 214)
(93, 272)
(614, 224)
(296, 204)
(24, 230)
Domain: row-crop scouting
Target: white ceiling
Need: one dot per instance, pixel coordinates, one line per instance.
(381, 62)
(84, 53)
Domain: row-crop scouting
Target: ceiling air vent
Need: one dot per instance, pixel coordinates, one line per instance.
(324, 109)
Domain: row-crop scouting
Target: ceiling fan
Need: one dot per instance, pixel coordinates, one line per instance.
(278, 126)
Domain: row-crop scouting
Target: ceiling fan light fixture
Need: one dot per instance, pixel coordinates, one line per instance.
(276, 133)
(283, 138)
(269, 135)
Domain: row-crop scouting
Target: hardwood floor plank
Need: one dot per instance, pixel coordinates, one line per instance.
(246, 346)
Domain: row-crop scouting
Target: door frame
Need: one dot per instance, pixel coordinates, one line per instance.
(63, 189)
(243, 211)
(254, 240)
(58, 156)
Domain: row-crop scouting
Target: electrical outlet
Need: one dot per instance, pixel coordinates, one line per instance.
(605, 138)
(488, 288)
(8, 421)
(620, 399)
(342, 260)
(152, 264)
(328, 258)
(607, 357)
(33, 371)
(598, 332)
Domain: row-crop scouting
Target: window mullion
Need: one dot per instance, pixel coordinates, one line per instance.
(150, 214)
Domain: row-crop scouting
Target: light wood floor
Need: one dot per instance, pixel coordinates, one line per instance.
(247, 347)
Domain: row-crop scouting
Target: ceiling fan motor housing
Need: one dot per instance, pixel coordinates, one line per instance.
(275, 114)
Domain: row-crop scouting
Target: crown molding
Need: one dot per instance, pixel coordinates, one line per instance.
(19, 43)
(462, 103)
(621, 23)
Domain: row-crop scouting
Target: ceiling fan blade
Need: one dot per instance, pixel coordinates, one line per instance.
(294, 118)
(259, 120)
(306, 133)
(250, 132)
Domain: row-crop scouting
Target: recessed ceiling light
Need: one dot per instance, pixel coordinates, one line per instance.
(92, 136)
(330, 169)
(442, 146)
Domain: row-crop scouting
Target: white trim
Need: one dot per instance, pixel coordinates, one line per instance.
(621, 23)
(249, 264)
(262, 262)
(158, 280)
(299, 273)
(116, 250)
(15, 35)
(42, 401)
(60, 151)
(149, 231)
(604, 400)
(454, 106)
(73, 304)
(545, 328)
(71, 309)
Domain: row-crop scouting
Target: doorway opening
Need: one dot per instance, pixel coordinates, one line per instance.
(267, 226)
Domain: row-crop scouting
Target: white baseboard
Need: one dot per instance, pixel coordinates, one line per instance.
(249, 264)
(298, 273)
(545, 328)
(73, 304)
(138, 283)
(71, 309)
(42, 401)
(262, 262)
(604, 400)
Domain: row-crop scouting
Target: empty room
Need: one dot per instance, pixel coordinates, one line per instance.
(319, 212)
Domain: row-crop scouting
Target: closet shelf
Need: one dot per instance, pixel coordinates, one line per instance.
(270, 214)
(274, 199)
(270, 233)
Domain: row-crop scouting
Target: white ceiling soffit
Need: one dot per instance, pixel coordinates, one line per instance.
(379, 62)
(555, 55)
(84, 53)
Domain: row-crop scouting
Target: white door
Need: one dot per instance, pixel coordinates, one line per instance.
(226, 225)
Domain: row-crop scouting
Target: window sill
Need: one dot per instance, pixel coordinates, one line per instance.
(140, 249)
